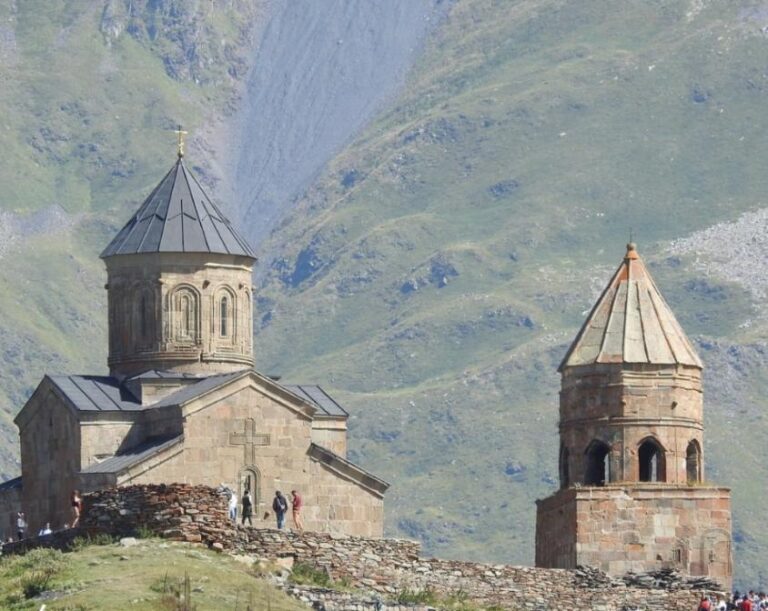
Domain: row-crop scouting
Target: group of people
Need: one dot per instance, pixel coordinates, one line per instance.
(749, 601)
(279, 506)
(76, 502)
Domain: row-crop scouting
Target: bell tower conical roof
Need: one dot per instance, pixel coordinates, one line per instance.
(178, 216)
(631, 323)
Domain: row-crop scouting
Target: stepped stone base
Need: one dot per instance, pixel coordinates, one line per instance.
(640, 527)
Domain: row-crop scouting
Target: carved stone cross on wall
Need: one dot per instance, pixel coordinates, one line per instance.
(249, 440)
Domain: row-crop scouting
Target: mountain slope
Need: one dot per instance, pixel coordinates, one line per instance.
(438, 269)
(90, 93)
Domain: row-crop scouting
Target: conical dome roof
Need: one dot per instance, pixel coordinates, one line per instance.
(631, 323)
(178, 217)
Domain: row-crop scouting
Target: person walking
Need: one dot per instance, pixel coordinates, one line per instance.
(247, 508)
(720, 604)
(21, 526)
(233, 507)
(77, 508)
(280, 507)
(297, 503)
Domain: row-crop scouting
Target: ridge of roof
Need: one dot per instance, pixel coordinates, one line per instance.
(178, 216)
(631, 323)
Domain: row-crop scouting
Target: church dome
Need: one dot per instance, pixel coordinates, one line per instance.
(178, 216)
(179, 284)
(631, 323)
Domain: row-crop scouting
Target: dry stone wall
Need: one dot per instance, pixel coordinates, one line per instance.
(384, 567)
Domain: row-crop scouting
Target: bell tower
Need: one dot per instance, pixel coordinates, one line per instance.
(179, 282)
(632, 493)
(631, 401)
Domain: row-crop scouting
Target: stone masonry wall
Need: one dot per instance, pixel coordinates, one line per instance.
(638, 528)
(384, 566)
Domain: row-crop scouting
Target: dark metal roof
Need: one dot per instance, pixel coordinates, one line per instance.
(133, 456)
(155, 374)
(317, 396)
(11, 484)
(348, 469)
(103, 393)
(96, 393)
(200, 388)
(178, 217)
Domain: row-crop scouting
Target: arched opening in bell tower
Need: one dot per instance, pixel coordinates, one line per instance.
(598, 468)
(693, 462)
(652, 464)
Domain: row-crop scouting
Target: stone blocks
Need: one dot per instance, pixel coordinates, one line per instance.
(637, 528)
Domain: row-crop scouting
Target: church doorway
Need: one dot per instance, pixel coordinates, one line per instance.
(716, 553)
(249, 480)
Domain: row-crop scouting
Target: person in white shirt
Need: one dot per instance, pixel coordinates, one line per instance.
(233, 507)
(21, 526)
(720, 604)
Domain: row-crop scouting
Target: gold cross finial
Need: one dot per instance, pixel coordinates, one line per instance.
(181, 133)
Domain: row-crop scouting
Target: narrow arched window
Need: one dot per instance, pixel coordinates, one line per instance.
(598, 467)
(143, 318)
(564, 467)
(224, 316)
(652, 464)
(693, 462)
(185, 307)
(185, 315)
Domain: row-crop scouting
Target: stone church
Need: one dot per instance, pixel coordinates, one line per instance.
(632, 489)
(182, 402)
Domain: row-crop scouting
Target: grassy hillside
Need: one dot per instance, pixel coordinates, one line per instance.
(90, 93)
(435, 274)
(437, 271)
(151, 576)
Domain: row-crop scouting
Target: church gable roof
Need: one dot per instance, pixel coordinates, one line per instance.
(95, 393)
(178, 216)
(341, 466)
(133, 456)
(314, 394)
(631, 323)
(204, 386)
(107, 394)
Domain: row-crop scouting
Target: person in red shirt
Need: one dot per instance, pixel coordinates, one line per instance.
(705, 605)
(746, 604)
(297, 504)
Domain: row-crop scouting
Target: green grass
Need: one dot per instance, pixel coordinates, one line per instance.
(150, 575)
